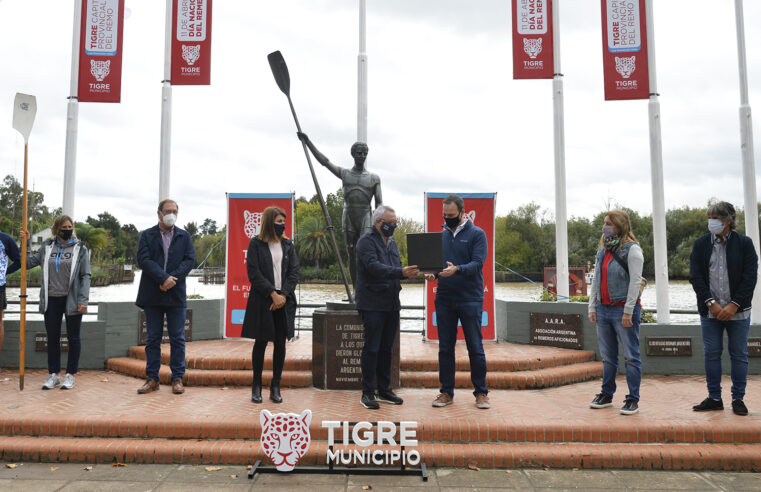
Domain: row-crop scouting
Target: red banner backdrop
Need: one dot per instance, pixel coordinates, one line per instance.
(480, 209)
(100, 51)
(191, 42)
(244, 219)
(624, 50)
(532, 39)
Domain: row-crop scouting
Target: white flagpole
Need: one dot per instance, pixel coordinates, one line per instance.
(362, 75)
(561, 220)
(656, 180)
(746, 146)
(72, 118)
(166, 109)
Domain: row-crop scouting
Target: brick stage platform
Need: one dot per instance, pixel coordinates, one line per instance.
(546, 424)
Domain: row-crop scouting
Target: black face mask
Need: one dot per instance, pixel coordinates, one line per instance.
(452, 222)
(279, 229)
(65, 234)
(387, 229)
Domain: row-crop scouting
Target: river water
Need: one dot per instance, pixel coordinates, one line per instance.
(680, 292)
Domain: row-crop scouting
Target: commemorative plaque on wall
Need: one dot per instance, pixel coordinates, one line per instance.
(143, 331)
(673, 346)
(337, 341)
(41, 342)
(754, 347)
(556, 330)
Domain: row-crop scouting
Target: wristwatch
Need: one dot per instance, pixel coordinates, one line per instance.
(710, 303)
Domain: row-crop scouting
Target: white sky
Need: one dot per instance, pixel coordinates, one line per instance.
(444, 112)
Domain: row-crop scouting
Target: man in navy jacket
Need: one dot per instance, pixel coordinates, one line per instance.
(379, 270)
(723, 273)
(165, 254)
(460, 296)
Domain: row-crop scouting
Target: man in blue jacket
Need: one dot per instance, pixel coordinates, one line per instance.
(723, 273)
(460, 296)
(379, 270)
(10, 261)
(165, 254)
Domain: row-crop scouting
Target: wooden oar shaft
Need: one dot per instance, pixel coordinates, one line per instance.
(22, 317)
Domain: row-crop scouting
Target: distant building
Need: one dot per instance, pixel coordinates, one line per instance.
(39, 237)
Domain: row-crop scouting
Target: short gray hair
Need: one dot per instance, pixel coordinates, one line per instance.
(380, 212)
(725, 211)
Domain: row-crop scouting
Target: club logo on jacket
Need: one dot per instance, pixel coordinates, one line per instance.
(285, 437)
(252, 223)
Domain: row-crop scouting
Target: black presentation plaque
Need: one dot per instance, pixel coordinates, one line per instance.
(754, 347)
(556, 330)
(41, 342)
(669, 346)
(142, 331)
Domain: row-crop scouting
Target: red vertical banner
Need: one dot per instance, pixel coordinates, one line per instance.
(191, 42)
(480, 210)
(624, 50)
(533, 56)
(100, 51)
(244, 219)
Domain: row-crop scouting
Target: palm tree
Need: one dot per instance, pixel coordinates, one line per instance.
(95, 238)
(312, 241)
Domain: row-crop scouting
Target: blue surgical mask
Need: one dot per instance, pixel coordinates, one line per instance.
(715, 226)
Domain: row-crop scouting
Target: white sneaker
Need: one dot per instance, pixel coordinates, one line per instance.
(68, 382)
(53, 382)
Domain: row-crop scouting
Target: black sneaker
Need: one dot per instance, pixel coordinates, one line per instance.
(368, 401)
(709, 404)
(602, 401)
(739, 407)
(630, 407)
(388, 396)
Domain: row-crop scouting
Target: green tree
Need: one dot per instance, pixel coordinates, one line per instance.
(209, 226)
(95, 238)
(312, 243)
(405, 226)
(192, 229)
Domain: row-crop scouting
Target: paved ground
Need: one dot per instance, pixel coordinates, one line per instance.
(46, 477)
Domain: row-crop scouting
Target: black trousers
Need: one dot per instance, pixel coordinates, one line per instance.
(278, 354)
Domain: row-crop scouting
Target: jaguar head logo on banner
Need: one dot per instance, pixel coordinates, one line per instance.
(252, 223)
(626, 65)
(532, 47)
(100, 69)
(285, 437)
(471, 216)
(191, 53)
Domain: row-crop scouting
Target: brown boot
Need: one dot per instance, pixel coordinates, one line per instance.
(177, 387)
(150, 385)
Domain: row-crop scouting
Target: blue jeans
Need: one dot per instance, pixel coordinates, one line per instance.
(54, 314)
(713, 338)
(154, 323)
(469, 314)
(609, 331)
(380, 333)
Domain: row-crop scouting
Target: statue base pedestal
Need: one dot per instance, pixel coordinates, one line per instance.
(337, 340)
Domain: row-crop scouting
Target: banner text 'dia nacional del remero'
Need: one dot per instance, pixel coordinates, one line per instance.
(244, 220)
(191, 42)
(480, 210)
(532, 39)
(624, 50)
(100, 51)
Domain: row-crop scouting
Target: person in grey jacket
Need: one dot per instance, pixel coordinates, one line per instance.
(64, 291)
(615, 308)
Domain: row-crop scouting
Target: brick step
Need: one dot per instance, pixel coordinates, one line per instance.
(235, 354)
(209, 377)
(541, 378)
(730, 457)
(430, 430)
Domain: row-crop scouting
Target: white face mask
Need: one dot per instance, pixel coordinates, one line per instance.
(169, 220)
(716, 226)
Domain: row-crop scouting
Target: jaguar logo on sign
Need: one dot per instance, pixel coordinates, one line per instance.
(626, 65)
(252, 223)
(191, 53)
(532, 47)
(100, 69)
(471, 216)
(285, 437)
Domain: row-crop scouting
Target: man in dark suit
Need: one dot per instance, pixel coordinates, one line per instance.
(723, 273)
(379, 270)
(165, 254)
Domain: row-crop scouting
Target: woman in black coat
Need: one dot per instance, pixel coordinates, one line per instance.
(273, 270)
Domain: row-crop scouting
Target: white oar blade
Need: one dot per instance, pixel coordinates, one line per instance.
(24, 111)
